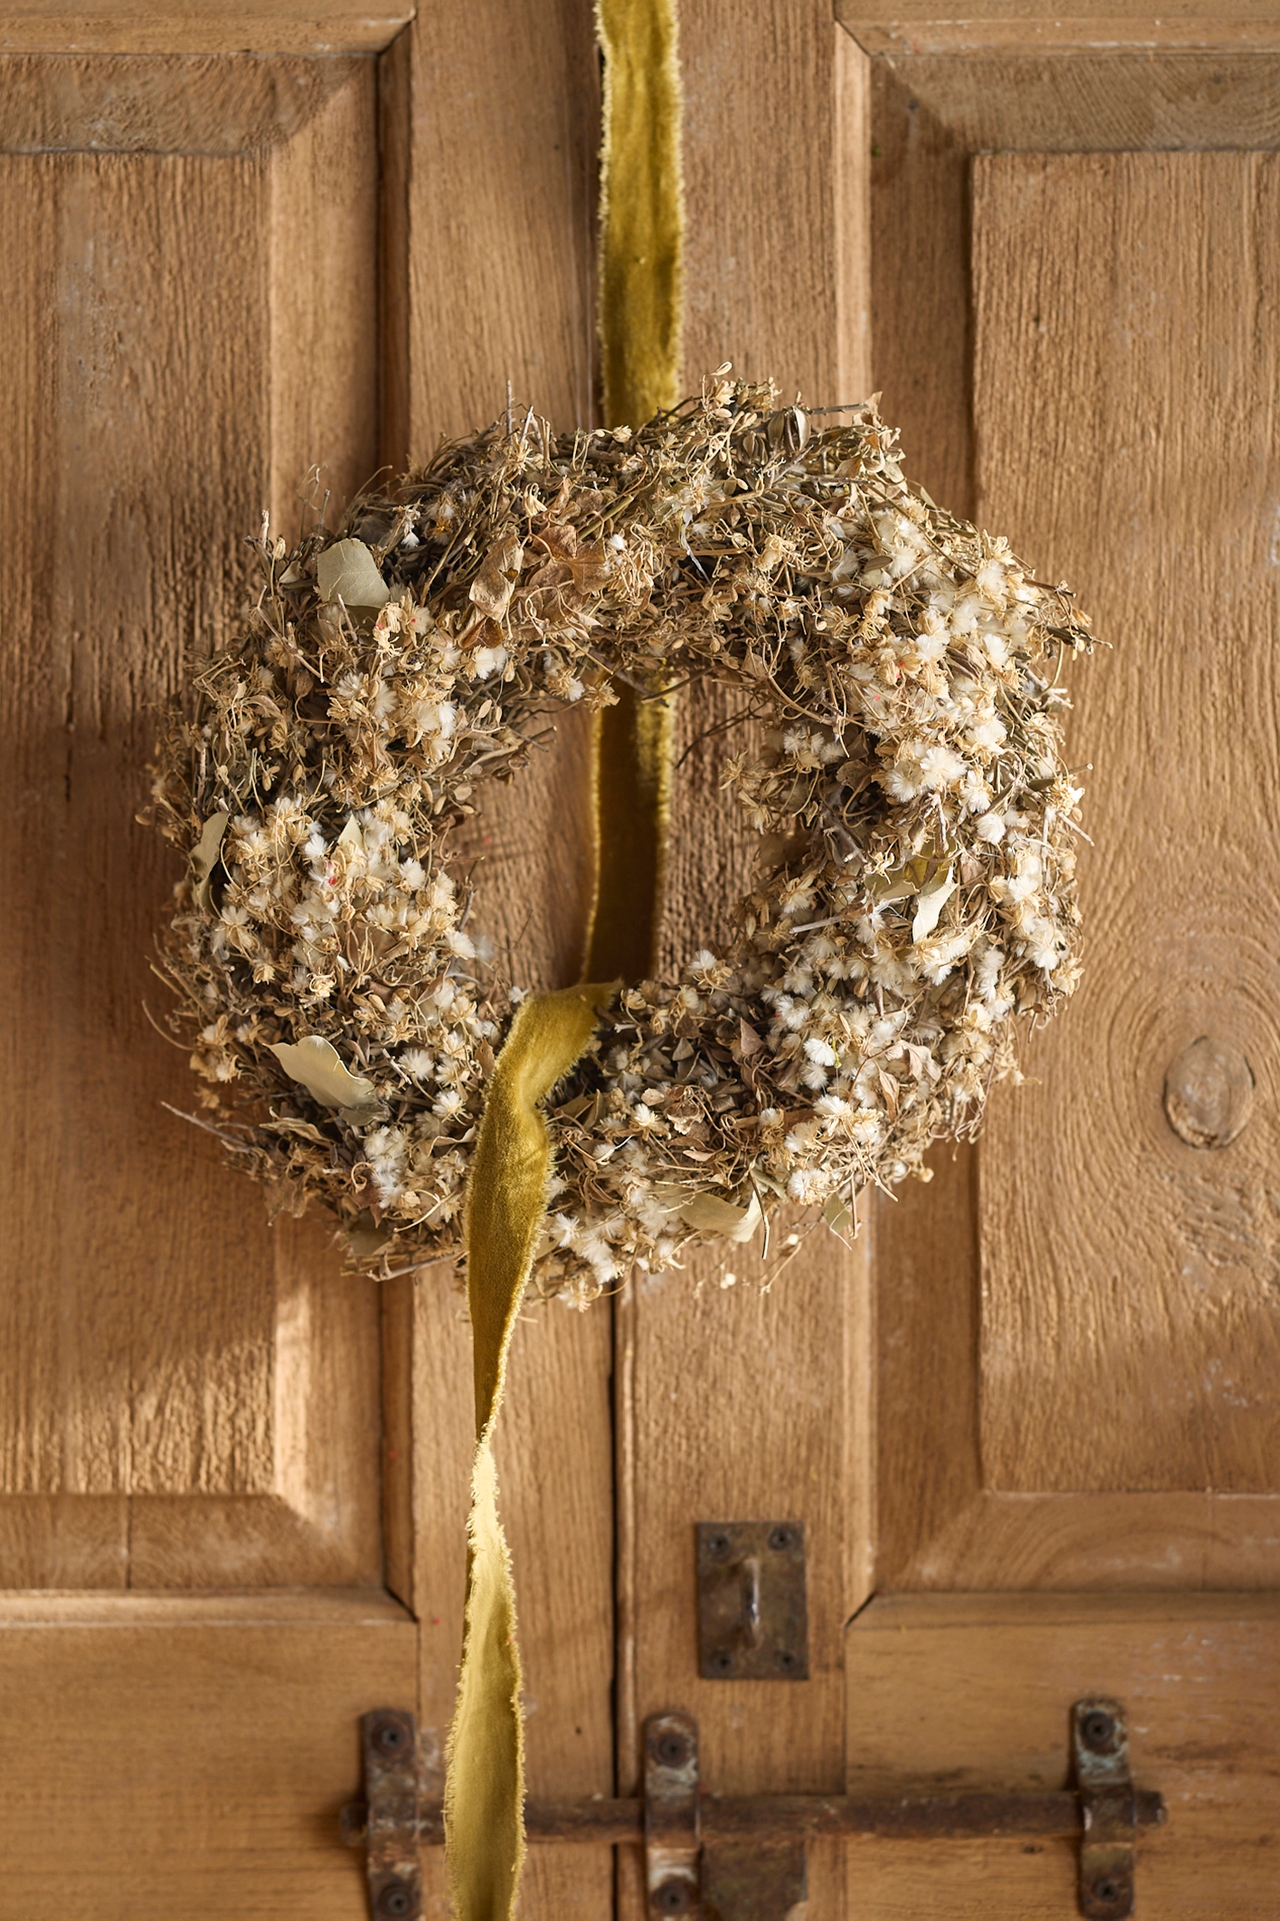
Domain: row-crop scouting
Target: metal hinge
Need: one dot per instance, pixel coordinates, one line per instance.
(742, 1858)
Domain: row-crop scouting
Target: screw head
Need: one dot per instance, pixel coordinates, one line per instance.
(1097, 1730)
(395, 1899)
(1110, 1894)
(717, 1546)
(671, 1748)
(785, 1659)
(781, 1538)
(390, 1737)
(672, 1897)
(721, 1661)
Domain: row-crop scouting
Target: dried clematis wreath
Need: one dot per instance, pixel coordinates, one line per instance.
(915, 883)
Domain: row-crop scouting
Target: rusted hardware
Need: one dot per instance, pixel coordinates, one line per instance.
(391, 1820)
(1108, 1808)
(672, 1843)
(763, 1882)
(752, 1619)
(740, 1857)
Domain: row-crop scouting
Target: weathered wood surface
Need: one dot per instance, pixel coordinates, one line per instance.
(940, 1523)
(215, 27)
(734, 1401)
(492, 124)
(976, 1689)
(193, 1755)
(908, 27)
(192, 1395)
(1127, 312)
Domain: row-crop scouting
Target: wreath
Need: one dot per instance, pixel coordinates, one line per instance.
(897, 673)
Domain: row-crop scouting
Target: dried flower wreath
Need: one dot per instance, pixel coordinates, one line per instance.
(915, 890)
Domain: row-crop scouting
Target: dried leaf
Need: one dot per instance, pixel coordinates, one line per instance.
(204, 857)
(931, 900)
(711, 1215)
(494, 584)
(838, 1216)
(749, 1042)
(315, 1065)
(348, 572)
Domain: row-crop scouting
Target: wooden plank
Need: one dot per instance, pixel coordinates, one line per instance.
(737, 1402)
(214, 27)
(503, 136)
(910, 27)
(164, 1342)
(188, 1762)
(976, 1690)
(1125, 344)
(488, 279)
(216, 105)
(929, 116)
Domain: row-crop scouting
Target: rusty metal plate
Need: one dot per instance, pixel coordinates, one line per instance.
(672, 1842)
(753, 1883)
(752, 1613)
(389, 1737)
(1100, 1745)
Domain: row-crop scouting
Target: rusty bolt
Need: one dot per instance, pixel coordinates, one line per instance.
(672, 1897)
(1097, 1731)
(671, 1748)
(390, 1737)
(1111, 1894)
(396, 1898)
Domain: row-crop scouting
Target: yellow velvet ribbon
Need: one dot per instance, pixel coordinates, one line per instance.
(506, 1205)
(641, 247)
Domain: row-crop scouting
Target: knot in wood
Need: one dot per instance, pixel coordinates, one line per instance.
(1208, 1093)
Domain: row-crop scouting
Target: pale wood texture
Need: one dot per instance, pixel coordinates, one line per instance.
(192, 1396)
(976, 1690)
(1137, 347)
(213, 27)
(909, 27)
(193, 1765)
(169, 103)
(940, 1522)
(490, 131)
(735, 1401)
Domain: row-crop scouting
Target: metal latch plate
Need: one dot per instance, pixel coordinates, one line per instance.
(752, 1613)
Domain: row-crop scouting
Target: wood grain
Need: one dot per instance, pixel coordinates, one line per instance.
(163, 1343)
(976, 1690)
(911, 27)
(216, 105)
(324, 27)
(929, 116)
(192, 1762)
(737, 1402)
(490, 131)
(1131, 1319)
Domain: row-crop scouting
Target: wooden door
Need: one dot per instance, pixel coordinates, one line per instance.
(232, 1480)
(1026, 1419)
(1029, 1421)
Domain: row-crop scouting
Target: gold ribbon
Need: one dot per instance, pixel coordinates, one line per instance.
(642, 224)
(506, 1205)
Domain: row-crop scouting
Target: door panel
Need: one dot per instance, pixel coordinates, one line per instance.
(1127, 329)
(190, 1399)
(1094, 1449)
